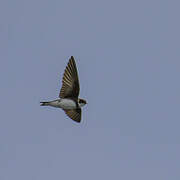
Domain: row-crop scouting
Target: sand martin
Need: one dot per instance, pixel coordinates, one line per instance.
(68, 96)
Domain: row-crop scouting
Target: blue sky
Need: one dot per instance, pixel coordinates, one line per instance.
(128, 58)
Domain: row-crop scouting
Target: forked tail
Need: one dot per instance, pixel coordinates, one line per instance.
(44, 103)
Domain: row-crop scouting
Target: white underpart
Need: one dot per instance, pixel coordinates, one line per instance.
(63, 103)
(81, 104)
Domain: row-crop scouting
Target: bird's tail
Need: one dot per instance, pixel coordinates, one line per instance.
(44, 103)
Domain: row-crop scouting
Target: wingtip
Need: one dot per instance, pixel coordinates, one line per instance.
(72, 57)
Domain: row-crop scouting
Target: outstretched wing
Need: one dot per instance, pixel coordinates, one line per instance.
(74, 114)
(70, 81)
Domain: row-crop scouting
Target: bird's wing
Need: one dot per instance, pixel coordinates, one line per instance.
(70, 81)
(74, 114)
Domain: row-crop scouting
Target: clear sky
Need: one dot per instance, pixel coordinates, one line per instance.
(128, 58)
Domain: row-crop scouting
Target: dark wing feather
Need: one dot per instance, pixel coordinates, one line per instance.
(74, 114)
(70, 82)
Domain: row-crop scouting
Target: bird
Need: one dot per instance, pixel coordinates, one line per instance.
(68, 97)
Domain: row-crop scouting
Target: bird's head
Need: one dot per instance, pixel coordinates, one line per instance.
(82, 102)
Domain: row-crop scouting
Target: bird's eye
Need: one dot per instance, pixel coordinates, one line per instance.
(82, 101)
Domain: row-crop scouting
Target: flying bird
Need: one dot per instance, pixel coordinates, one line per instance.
(68, 96)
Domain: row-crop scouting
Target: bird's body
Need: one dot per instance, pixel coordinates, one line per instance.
(63, 104)
(69, 93)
